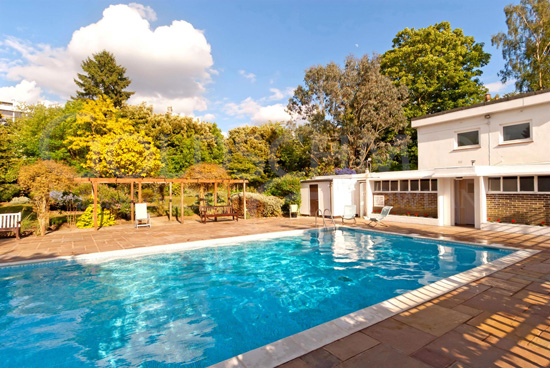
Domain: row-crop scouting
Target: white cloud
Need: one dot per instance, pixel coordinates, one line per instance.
(207, 117)
(22, 92)
(277, 94)
(499, 87)
(250, 76)
(169, 65)
(257, 113)
(146, 12)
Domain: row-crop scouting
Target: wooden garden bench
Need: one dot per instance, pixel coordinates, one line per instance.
(217, 211)
(11, 222)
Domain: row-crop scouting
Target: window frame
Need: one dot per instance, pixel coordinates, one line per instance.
(469, 146)
(518, 184)
(501, 140)
(431, 181)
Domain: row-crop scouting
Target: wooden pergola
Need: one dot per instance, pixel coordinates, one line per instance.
(139, 181)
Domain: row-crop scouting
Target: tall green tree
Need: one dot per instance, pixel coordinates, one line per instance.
(182, 140)
(526, 45)
(252, 152)
(440, 67)
(103, 76)
(350, 110)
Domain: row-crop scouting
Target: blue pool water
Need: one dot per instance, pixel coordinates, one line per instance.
(199, 307)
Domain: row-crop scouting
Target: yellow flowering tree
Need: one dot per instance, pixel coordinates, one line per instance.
(110, 144)
(124, 155)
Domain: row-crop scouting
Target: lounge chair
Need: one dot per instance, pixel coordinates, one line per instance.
(349, 213)
(142, 217)
(378, 219)
(293, 208)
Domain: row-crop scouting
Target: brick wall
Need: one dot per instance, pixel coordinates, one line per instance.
(421, 203)
(530, 209)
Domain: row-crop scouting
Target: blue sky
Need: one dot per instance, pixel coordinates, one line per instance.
(232, 62)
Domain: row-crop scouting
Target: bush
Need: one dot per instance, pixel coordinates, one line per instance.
(287, 188)
(20, 200)
(116, 200)
(8, 191)
(104, 218)
(257, 205)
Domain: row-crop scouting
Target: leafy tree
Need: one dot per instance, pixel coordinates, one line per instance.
(183, 141)
(8, 167)
(526, 45)
(28, 130)
(439, 66)
(103, 76)
(349, 110)
(124, 155)
(206, 171)
(39, 179)
(252, 152)
(108, 143)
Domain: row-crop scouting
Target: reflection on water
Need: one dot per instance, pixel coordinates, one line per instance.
(199, 307)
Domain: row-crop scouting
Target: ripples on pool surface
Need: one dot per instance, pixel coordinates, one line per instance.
(199, 307)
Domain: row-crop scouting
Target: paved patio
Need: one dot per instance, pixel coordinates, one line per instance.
(502, 320)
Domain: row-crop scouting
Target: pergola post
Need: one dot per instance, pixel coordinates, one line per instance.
(170, 206)
(215, 193)
(244, 199)
(139, 192)
(182, 203)
(132, 201)
(228, 192)
(94, 189)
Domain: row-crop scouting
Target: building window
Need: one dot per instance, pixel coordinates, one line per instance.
(377, 186)
(510, 184)
(404, 185)
(467, 139)
(434, 185)
(543, 183)
(494, 184)
(516, 132)
(425, 185)
(394, 186)
(527, 184)
(385, 186)
(414, 186)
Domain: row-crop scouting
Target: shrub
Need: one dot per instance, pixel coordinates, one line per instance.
(116, 200)
(287, 188)
(8, 191)
(104, 218)
(257, 205)
(39, 179)
(20, 200)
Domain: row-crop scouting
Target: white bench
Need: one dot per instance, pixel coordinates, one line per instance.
(11, 222)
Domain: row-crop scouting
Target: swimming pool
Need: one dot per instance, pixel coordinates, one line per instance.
(199, 307)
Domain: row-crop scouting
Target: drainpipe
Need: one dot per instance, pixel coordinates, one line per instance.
(330, 197)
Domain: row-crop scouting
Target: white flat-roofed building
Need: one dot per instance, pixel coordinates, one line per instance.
(486, 165)
(8, 111)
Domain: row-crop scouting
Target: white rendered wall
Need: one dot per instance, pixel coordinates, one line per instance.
(445, 201)
(436, 143)
(345, 192)
(304, 206)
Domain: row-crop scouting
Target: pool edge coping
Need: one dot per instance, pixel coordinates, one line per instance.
(304, 342)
